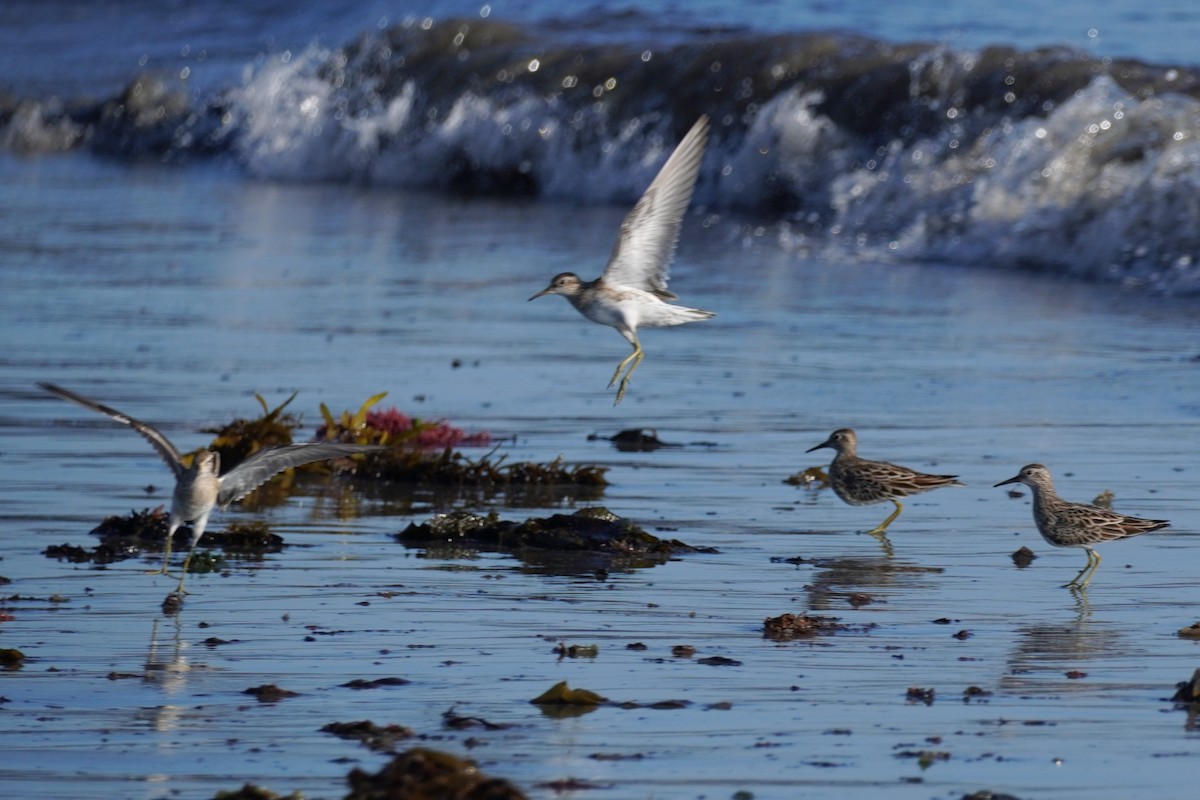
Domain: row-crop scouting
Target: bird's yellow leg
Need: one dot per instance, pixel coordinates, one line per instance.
(625, 380)
(637, 349)
(1093, 561)
(179, 590)
(633, 359)
(881, 527)
(166, 554)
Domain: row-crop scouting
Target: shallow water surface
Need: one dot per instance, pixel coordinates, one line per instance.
(175, 295)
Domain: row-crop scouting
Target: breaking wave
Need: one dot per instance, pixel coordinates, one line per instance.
(1047, 159)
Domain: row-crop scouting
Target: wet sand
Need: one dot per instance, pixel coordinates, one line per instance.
(177, 294)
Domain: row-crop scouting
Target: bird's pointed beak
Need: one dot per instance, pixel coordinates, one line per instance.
(1014, 479)
(825, 443)
(546, 291)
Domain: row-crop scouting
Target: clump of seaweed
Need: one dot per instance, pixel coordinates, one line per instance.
(148, 525)
(423, 452)
(251, 792)
(145, 531)
(452, 468)
(248, 539)
(810, 478)
(799, 626)
(587, 540)
(422, 773)
(393, 427)
(121, 538)
(634, 440)
(382, 738)
(11, 658)
(242, 438)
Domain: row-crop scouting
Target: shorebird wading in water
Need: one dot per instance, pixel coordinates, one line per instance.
(200, 487)
(1065, 524)
(632, 290)
(860, 482)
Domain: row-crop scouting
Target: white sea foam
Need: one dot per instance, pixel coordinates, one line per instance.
(1103, 186)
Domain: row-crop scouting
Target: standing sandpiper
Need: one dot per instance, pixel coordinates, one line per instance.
(1064, 524)
(860, 482)
(632, 290)
(200, 488)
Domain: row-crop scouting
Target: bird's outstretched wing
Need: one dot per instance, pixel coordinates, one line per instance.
(151, 434)
(645, 246)
(268, 462)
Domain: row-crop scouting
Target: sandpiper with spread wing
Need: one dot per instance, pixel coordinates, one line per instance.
(1065, 524)
(200, 488)
(632, 290)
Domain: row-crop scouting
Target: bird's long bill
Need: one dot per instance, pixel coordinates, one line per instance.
(1014, 479)
(548, 290)
(826, 443)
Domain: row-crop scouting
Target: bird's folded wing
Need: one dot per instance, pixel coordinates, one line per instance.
(645, 246)
(268, 462)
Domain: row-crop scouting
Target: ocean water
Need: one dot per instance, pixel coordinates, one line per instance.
(861, 133)
(339, 200)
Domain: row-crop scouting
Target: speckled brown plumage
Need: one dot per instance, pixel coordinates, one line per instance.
(861, 482)
(1065, 524)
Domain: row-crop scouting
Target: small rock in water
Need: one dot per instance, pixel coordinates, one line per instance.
(1023, 557)
(1188, 691)
(920, 695)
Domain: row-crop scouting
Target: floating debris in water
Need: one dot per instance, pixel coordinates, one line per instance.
(925, 758)
(269, 693)
(361, 683)
(570, 785)
(657, 705)
(634, 440)
(1187, 696)
(420, 773)
(859, 599)
(583, 541)
(1191, 631)
(1188, 691)
(917, 694)
(11, 658)
(251, 792)
(1023, 557)
(1104, 499)
(247, 539)
(456, 722)
(560, 694)
(171, 604)
(797, 626)
(562, 650)
(811, 478)
(718, 661)
(381, 738)
(205, 562)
